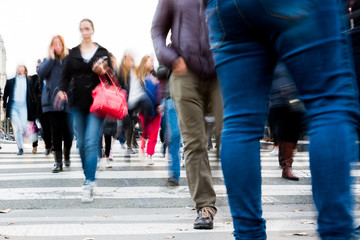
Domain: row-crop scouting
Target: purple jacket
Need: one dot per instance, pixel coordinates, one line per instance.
(190, 38)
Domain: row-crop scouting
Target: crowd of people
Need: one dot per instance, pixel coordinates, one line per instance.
(234, 61)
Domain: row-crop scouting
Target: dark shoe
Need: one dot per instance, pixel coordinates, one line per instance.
(20, 152)
(47, 151)
(67, 156)
(128, 152)
(58, 162)
(173, 182)
(357, 232)
(57, 168)
(67, 162)
(205, 218)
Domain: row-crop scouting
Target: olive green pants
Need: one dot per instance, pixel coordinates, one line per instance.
(192, 97)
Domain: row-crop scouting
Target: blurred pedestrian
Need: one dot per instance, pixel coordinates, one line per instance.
(18, 103)
(125, 73)
(83, 69)
(61, 121)
(35, 83)
(193, 86)
(172, 137)
(248, 38)
(150, 110)
(287, 118)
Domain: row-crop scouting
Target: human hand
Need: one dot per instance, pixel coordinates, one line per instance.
(160, 110)
(179, 66)
(51, 52)
(60, 98)
(100, 67)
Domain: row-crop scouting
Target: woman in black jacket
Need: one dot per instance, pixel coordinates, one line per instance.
(83, 70)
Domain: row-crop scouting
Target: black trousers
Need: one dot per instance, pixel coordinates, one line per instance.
(46, 129)
(62, 130)
(285, 124)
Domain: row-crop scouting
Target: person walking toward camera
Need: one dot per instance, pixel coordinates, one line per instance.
(193, 85)
(83, 69)
(60, 121)
(18, 103)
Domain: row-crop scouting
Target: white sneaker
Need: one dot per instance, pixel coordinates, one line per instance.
(275, 152)
(101, 164)
(88, 188)
(111, 157)
(149, 160)
(141, 155)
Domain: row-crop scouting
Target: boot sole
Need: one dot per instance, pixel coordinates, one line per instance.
(292, 179)
(203, 227)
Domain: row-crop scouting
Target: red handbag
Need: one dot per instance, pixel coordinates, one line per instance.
(109, 100)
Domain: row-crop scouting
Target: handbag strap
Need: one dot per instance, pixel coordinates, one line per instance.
(102, 82)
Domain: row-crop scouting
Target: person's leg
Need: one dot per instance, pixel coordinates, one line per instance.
(245, 71)
(57, 131)
(93, 130)
(143, 136)
(173, 134)
(68, 135)
(16, 126)
(154, 126)
(46, 131)
(216, 105)
(190, 107)
(107, 139)
(80, 126)
(323, 71)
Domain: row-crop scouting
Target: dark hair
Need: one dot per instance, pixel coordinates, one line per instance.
(89, 21)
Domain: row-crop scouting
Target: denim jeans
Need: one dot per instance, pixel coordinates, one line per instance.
(89, 129)
(248, 37)
(172, 138)
(19, 122)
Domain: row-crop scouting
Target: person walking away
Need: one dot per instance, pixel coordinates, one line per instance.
(61, 121)
(193, 86)
(18, 103)
(248, 38)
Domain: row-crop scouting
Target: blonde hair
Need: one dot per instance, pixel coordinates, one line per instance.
(141, 71)
(64, 52)
(124, 70)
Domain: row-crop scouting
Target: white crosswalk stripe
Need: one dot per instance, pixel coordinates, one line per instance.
(132, 199)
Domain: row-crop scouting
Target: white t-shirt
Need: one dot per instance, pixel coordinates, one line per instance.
(136, 91)
(90, 54)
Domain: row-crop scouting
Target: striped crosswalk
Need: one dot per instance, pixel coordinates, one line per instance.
(133, 201)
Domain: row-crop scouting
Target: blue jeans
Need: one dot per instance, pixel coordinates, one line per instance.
(172, 138)
(89, 130)
(248, 37)
(18, 116)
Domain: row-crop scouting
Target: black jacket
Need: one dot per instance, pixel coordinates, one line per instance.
(84, 80)
(189, 36)
(8, 99)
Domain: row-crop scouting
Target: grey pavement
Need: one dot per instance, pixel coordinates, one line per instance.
(133, 201)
